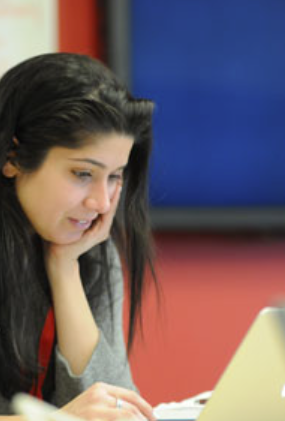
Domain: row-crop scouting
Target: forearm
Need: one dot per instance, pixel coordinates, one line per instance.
(109, 361)
(12, 418)
(77, 332)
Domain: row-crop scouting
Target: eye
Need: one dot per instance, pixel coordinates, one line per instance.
(82, 175)
(116, 177)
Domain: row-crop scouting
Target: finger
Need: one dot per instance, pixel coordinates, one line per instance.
(122, 409)
(131, 397)
(131, 411)
(107, 217)
(133, 400)
(100, 230)
(113, 414)
(104, 221)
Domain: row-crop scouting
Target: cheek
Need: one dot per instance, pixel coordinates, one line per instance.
(64, 198)
(72, 199)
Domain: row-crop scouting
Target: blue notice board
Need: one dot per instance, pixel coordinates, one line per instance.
(216, 70)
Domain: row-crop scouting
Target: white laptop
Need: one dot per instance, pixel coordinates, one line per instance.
(252, 388)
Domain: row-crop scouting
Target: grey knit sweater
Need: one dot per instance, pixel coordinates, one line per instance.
(108, 363)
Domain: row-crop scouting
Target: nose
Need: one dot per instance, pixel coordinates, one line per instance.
(98, 199)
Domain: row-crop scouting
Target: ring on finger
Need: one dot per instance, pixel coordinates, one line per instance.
(119, 403)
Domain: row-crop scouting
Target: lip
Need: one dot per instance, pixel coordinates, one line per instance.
(81, 225)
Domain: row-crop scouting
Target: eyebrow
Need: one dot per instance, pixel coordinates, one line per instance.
(94, 162)
(89, 161)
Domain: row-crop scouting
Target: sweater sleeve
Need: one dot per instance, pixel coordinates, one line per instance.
(108, 362)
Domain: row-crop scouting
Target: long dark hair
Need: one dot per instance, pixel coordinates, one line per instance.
(58, 100)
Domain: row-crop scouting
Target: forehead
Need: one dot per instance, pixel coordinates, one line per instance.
(109, 148)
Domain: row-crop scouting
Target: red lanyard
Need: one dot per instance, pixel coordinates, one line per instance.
(45, 350)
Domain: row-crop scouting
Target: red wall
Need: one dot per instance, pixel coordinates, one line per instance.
(80, 27)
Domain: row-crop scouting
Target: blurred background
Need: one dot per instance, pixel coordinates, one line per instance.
(216, 71)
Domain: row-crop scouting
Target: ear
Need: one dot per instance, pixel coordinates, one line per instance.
(9, 170)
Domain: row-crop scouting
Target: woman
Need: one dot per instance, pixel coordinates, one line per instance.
(73, 142)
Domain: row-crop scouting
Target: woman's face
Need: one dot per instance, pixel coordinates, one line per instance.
(73, 186)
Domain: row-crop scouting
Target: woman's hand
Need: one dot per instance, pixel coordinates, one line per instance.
(63, 256)
(99, 402)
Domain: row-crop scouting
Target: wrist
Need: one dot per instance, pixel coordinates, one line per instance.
(63, 271)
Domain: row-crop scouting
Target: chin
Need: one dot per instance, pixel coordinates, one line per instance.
(64, 240)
